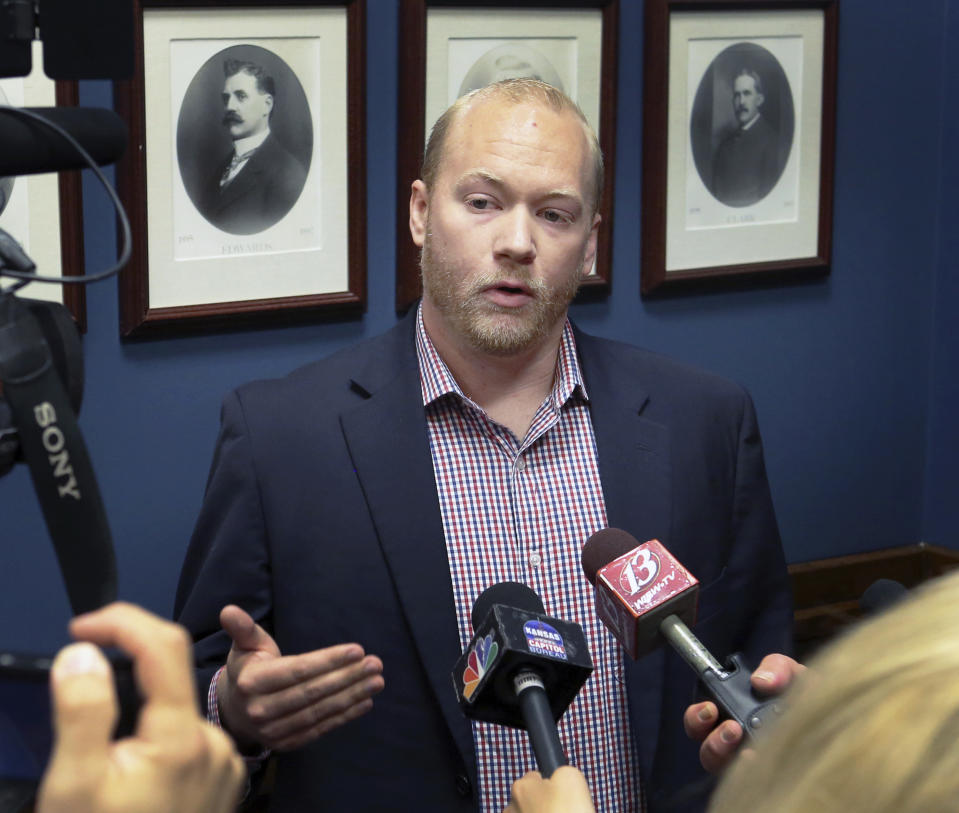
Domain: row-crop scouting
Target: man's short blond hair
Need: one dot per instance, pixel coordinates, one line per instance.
(511, 91)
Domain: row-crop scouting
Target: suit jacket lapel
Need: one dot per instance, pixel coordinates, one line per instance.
(246, 179)
(387, 437)
(633, 456)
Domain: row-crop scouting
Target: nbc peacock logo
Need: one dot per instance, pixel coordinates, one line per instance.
(480, 659)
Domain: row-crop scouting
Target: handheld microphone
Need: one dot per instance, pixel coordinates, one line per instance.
(522, 668)
(644, 595)
(881, 595)
(30, 147)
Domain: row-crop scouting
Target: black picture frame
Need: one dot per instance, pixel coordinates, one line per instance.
(141, 318)
(690, 218)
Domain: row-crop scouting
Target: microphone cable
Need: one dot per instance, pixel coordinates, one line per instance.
(125, 254)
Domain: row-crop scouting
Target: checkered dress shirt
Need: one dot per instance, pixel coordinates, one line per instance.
(521, 511)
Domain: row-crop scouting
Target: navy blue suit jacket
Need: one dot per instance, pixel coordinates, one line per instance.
(321, 519)
(260, 195)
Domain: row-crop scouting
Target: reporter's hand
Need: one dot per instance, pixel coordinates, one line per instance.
(283, 702)
(721, 741)
(175, 762)
(564, 792)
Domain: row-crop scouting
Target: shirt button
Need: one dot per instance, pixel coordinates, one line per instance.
(463, 785)
(520, 464)
(535, 559)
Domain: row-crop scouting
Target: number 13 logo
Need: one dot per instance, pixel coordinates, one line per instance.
(639, 571)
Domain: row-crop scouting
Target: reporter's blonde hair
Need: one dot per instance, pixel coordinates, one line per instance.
(872, 726)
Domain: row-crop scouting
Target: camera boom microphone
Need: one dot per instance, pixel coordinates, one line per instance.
(31, 147)
(644, 595)
(522, 668)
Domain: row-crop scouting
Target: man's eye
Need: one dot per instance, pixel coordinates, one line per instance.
(478, 203)
(552, 216)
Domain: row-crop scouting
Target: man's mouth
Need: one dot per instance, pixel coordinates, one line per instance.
(508, 294)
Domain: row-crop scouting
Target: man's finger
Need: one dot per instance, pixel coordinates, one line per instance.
(84, 715)
(332, 700)
(719, 748)
(775, 673)
(293, 670)
(700, 719)
(247, 635)
(305, 736)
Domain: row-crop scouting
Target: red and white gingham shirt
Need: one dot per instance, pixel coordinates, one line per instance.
(521, 511)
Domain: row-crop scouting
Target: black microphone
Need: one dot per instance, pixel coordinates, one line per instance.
(881, 595)
(644, 596)
(522, 668)
(28, 146)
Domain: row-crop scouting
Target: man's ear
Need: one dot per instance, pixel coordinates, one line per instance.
(590, 256)
(419, 212)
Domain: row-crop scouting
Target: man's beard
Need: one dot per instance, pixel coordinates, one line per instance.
(488, 327)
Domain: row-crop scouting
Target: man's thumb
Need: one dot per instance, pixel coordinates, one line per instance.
(247, 635)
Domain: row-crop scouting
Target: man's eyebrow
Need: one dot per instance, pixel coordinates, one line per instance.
(486, 176)
(482, 175)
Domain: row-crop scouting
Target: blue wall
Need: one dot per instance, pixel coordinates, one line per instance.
(941, 515)
(852, 374)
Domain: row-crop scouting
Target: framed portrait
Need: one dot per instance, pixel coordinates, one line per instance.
(449, 48)
(245, 181)
(44, 212)
(738, 140)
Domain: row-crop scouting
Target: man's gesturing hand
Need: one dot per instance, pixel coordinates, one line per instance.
(281, 702)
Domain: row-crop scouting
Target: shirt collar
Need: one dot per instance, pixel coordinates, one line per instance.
(751, 123)
(436, 380)
(244, 145)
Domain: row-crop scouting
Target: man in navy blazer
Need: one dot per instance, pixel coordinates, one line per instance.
(322, 522)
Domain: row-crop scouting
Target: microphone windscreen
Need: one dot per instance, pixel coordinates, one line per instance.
(602, 547)
(637, 587)
(28, 146)
(512, 594)
(880, 595)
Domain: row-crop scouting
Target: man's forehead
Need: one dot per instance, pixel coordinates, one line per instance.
(494, 127)
(743, 79)
(241, 79)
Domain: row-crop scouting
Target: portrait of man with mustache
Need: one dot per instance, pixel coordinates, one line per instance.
(260, 180)
(746, 164)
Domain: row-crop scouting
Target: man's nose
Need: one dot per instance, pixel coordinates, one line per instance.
(231, 103)
(515, 238)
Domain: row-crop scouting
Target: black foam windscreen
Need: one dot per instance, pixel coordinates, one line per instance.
(512, 594)
(602, 547)
(29, 147)
(880, 595)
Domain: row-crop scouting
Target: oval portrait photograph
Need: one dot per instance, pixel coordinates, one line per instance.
(742, 125)
(244, 139)
(512, 60)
